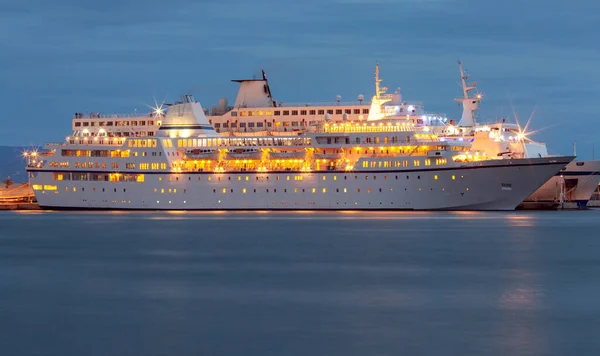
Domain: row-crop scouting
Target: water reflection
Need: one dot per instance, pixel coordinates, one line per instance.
(521, 220)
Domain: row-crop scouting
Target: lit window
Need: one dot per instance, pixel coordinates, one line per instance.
(314, 190)
(435, 177)
(324, 178)
(324, 190)
(453, 177)
(244, 190)
(224, 191)
(345, 190)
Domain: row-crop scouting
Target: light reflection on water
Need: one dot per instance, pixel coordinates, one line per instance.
(299, 283)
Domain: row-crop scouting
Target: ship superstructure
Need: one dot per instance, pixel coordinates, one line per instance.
(187, 164)
(256, 112)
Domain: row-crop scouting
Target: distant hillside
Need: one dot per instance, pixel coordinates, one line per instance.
(12, 164)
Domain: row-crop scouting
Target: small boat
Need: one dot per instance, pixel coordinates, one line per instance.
(244, 153)
(202, 153)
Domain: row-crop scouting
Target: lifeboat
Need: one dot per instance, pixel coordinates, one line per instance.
(244, 153)
(202, 153)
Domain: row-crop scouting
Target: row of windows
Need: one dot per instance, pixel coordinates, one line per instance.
(142, 143)
(285, 190)
(112, 123)
(301, 112)
(97, 165)
(101, 177)
(59, 164)
(402, 163)
(146, 166)
(126, 177)
(296, 178)
(247, 141)
(44, 187)
(95, 153)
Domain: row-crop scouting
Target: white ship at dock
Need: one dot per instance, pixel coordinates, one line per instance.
(255, 113)
(387, 165)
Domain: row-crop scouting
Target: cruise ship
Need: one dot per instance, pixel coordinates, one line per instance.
(186, 164)
(255, 112)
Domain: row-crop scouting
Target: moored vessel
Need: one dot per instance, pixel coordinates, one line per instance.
(347, 166)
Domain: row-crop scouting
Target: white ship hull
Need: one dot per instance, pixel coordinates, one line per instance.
(574, 184)
(489, 185)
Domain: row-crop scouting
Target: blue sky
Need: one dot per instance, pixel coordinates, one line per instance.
(63, 56)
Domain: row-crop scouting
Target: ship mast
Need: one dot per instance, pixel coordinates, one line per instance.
(377, 80)
(470, 105)
(380, 98)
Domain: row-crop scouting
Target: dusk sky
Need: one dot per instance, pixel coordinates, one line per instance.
(65, 56)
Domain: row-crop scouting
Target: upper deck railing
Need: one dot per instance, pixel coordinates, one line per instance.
(115, 115)
(364, 103)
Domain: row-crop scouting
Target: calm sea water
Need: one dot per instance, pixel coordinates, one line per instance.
(354, 283)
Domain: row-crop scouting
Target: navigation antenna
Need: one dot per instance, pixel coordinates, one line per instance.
(378, 91)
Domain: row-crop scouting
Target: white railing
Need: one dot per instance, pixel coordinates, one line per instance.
(140, 115)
